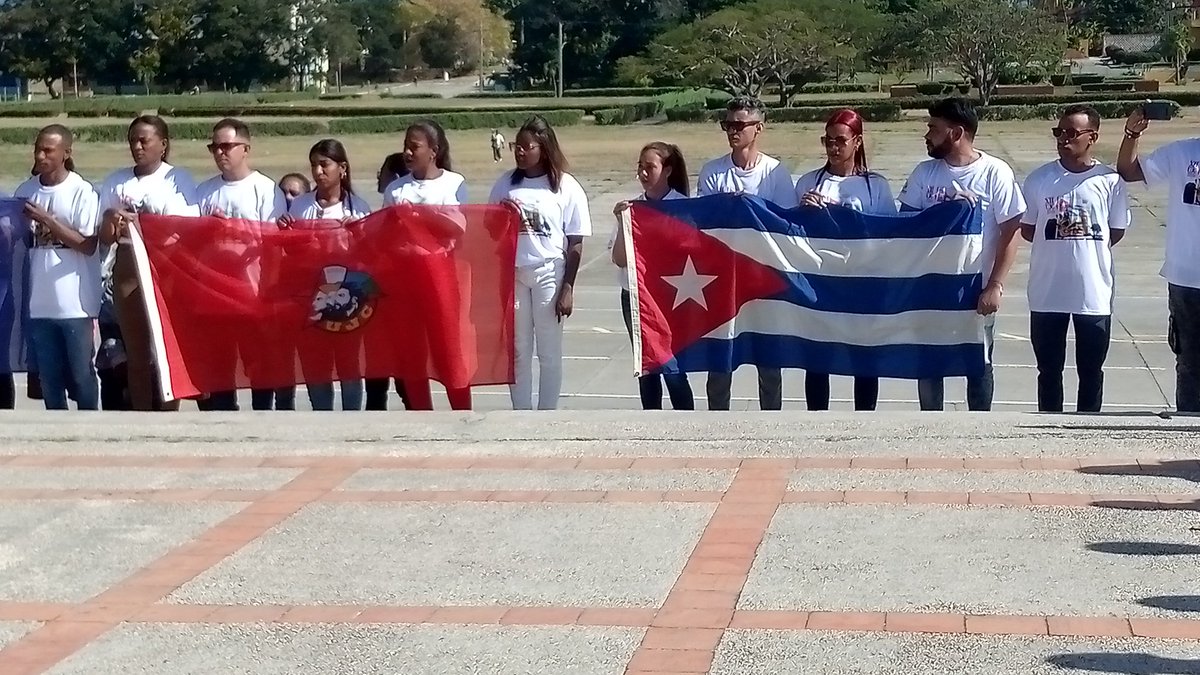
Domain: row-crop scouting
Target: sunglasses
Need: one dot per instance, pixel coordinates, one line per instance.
(1070, 134)
(225, 148)
(835, 140)
(733, 125)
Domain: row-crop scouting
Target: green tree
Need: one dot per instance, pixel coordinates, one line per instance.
(241, 42)
(42, 40)
(443, 43)
(1127, 16)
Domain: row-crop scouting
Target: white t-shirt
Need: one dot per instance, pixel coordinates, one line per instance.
(991, 179)
(448, 189)
(768, 179)
(169, 191)
(305, 207)
(1177, 165)
(254, 197)
(64, 283)
(868, 193)
(622, 275)
(1070, 263)
(547, 217)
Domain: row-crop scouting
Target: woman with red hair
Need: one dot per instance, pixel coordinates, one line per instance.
(845, 181)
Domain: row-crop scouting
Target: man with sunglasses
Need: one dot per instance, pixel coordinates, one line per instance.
(1177, 166)
(1078, 210)
(958, 170)
(745, 170)
(239, 192)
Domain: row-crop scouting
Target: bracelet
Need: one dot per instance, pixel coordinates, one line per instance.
(1129, 133)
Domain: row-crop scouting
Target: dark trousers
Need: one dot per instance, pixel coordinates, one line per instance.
(980, 389)
(1183, 336)
(377, 393)
(650, 386)
(816, 391)
(1048, 333)
(283, 398)
(8, 392)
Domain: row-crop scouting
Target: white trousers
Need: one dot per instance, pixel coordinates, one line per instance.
(538, 328)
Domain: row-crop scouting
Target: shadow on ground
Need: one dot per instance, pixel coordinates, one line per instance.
(1143, 548)
(1175, 603)
(1131, 663)
(1187, 469)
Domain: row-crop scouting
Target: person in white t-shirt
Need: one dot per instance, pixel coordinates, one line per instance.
(64, 272)
(746, 170)
(1078, 210)
(554, 220)
(331, 204)
(1175, 166)
(845, 181)
(497, 144)
(151, 185)
(430, 182)
(662, 171)
(238, 191)
(958, 170)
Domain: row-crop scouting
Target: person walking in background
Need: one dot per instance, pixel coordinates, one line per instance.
(1078, 210)
(662, 172)
(554, 221)
(333, 204)
(845, 181)
(431, 182)
(746, 170)
(151, 185)
(958, 170)
(1175, 166)
(497, 144)
(237, 191)
(64, 272)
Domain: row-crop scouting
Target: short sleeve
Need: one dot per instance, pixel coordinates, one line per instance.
(1007, 200)
(185, 186)
(1158, 166)
(500, 189)
(912, 193)
(783, 191)
(704, 184)
(460, 194)
(1118, 210)
(87, 211)
(275, 208)
(882, 201)
(1029, 192)
(577, 218)
(804, 184)
(106, 196)
(389, 196)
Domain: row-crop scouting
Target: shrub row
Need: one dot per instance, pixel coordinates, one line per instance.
(1052, 111)
(838, 88)
(531, 93)
(876, 112)
(1061, 79)
(941, 88)
(627, 114)
(1126, 58)
(388, 124)
(409, 94)
(575, 93)
(116, 133)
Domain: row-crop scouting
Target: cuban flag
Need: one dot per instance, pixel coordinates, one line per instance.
(727, 280)
(15, 236)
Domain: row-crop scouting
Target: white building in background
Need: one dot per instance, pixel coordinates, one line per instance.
(314, 72)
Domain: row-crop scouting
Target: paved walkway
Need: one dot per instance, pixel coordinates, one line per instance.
(598, 544)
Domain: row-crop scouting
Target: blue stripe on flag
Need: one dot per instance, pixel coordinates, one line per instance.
(882, 295)
(729, 211)
(788, 351)
(14, 286)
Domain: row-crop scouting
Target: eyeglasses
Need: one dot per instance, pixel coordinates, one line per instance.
(836, 140)
(736, 125)
(225, 148)
(524, 148)
(1070, 134)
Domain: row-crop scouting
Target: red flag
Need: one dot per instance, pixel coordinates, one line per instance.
(414, 292)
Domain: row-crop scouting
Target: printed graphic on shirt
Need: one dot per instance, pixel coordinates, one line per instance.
(1068, 221)
(44, 238)
(344, 300)
(936, 194)
(532, 222)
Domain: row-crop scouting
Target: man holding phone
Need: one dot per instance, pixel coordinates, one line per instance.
(1177, 166)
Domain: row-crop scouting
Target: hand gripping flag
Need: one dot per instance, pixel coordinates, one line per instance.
(414, 292)
(15, 237)
(727, 280)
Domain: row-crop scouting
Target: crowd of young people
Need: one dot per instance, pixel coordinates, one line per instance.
(1072, 210)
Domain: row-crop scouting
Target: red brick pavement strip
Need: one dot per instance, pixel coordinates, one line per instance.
(62, 636)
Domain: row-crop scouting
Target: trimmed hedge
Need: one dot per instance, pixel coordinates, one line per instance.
(402, 94)
(532, 93)
(466, 120)
(1112, 85)
(876, 112)
(117, 133)
(941, 88)
(1052, 111)
(1060, 80)
(620, 91)
(838, 88)
(627, 114)
(1124, 58)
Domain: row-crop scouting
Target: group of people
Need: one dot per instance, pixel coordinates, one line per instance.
(1073, 210)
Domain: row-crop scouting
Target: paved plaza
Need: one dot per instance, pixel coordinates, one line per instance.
(598, 544)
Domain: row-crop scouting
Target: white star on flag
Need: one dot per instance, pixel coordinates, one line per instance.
(689, 285)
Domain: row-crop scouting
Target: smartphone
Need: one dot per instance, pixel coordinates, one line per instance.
(1157, 110)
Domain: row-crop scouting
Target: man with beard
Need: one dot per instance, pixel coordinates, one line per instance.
(960, 171)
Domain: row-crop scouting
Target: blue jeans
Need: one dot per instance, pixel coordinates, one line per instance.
(321, 395)
(980, 389)
(650, 387)
(65, 350)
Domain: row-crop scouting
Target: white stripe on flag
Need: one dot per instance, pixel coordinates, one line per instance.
(923, 327)
(890, 258)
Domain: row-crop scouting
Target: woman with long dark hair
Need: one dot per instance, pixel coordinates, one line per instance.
(844, 180)
(151, 185)
(331, 204)
(662, 171)
(429, 181)
(554, 220)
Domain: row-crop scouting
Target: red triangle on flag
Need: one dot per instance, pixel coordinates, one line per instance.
(689, 283)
